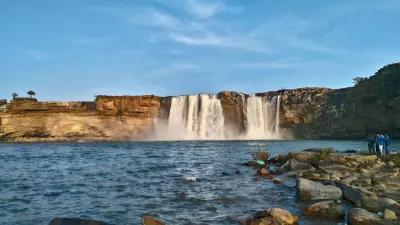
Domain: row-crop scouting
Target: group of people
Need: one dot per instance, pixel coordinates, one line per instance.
(379, 144)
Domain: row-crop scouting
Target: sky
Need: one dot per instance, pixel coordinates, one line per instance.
(75, 49)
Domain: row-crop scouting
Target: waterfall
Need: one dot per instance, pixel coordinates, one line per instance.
(200, 117)
(262, 117)
(193, 114)
(277, 115)
(177, 117)
(196, 117)
(211, 118)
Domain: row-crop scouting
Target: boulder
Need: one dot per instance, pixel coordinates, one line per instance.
(277, 181)
(379, 204)
(354, 194)
(294, 165)
(148, 220)
(264, 172)
(326, 209)
(389, 215)
(275, 216)
(75, 221)
(359, 216)
(310, 190)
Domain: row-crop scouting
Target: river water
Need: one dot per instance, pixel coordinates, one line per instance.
(179, 182)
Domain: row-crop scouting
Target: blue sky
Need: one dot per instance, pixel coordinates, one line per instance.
(75, 49)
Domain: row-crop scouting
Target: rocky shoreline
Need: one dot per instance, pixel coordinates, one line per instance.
(354, 188)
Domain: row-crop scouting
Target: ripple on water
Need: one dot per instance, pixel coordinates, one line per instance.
(179, 182)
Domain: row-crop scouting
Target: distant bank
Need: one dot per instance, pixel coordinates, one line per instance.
(372, 105)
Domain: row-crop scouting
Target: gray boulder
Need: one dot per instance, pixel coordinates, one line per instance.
(311, 190)
(355, 194)
(359, 216)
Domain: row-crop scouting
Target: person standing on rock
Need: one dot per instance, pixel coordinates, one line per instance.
(371, 143)
(387, 142)
(380, 142)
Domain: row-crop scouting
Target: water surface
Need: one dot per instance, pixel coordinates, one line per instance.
(120, 182)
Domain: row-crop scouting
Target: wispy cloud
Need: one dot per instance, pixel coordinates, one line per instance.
(39, 56)
(204, 10)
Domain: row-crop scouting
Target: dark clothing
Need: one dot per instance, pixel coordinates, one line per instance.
(387, 142)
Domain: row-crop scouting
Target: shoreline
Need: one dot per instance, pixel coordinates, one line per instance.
(357, 188)
(101, 140)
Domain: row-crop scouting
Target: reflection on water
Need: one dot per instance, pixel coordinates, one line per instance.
(179, 182)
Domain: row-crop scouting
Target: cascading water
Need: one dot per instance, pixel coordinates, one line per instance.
(200, 117)
(196, 117)
(262, 117)
(211, 118)
(177, 117)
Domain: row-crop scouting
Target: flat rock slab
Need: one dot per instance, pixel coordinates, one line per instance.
(75, 221)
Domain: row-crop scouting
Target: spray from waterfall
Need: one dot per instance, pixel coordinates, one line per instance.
(196, 117)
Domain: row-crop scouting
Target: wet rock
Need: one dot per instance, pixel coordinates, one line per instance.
(275, 216)
(359, 216)
(379, 204)
(148, 220)
(301, 156)
(264, 172)
(310, 190)
(274, 170)
(389, 215)
(348, 180)
(279, 159)
(75, 221)
(294, 165)
(277, 181)
(326, 209)
(355, 194)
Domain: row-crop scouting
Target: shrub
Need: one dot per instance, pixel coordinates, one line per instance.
(261, 154)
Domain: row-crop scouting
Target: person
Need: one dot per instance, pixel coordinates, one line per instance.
(376, 144)
(380, 139)
(387, 143)
(371, 143)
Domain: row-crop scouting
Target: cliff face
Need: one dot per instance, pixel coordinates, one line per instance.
(233, 110)
(373, 105)
(109, 118)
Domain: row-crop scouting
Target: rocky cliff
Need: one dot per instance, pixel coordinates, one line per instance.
(108, 118)
(373, 105)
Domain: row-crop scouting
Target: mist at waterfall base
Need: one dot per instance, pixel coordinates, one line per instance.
(201, 117)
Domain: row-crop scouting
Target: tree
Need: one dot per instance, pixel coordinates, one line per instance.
(14, 95)
(31, 93)
(358, 80)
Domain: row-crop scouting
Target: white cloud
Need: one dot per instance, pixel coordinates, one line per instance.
(204, 10)
(203, 40)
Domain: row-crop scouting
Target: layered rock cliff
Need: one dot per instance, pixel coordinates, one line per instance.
(373, 105)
